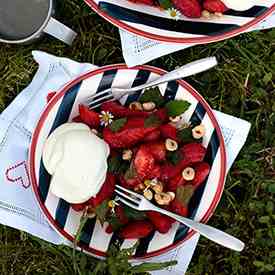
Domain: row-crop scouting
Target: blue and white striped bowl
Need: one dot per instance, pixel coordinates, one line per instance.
(64, 106)
(155, 24)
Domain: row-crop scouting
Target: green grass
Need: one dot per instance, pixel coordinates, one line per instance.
(246, 209)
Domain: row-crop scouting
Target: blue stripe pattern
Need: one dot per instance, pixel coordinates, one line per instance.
(171, 90)
(88, 228)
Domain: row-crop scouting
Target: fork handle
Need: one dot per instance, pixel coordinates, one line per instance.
(184, 71)
(207, 231)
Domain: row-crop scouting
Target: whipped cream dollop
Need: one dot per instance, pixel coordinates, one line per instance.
(77, 160)
(239, 5)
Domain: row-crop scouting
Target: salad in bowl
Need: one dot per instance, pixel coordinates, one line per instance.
(163, 143)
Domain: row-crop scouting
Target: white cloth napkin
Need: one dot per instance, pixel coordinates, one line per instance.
(138, 50)
(18, 206)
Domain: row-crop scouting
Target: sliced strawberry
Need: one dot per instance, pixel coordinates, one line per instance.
(201, 172)
(78, 206)
(169, 131)
(161, 222)
(125, 138)
(134, 122)
(144, 162)
(136, 230)
(157, 149)
(109, 229)
(190, 8)
(155, 173)
(89, 117)
(120, 214)
(178, 208)
(145, 2)
(175, 182)
(77, 119)
(129, 183)
(106, 191)
(50, 96)
(193, 152)
(169, 171)
(162, 115)
(121, 111)
(214, 6)
(153, 136)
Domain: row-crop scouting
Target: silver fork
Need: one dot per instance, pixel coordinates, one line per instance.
(139, 202)
(113, 94)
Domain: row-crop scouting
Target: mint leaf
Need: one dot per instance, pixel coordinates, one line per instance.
(185, 193)
(102, 211)
(117, 124)
(117, 165)
(165, 4)
(174, 157)
(152, 121)
(176, 107)
(152, 95)
(133, 214)
(185, 135)
(146, 267)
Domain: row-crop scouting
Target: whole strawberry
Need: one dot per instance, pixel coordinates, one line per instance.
(136, 230)
(190, 8)
(214, 6)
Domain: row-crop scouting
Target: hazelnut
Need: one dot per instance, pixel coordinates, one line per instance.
(218, 14)
(188, 173)
(171, 145)
(148, 194)
(175, 119)
(172, 195)
(139, 187)
(205, 14)
(135, 106)
(198, 131)
(149, 106)
(163, 198)
(127, 154)
(158, 187)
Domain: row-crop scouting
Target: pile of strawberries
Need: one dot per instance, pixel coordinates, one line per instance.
(152, 153)
(189, 8)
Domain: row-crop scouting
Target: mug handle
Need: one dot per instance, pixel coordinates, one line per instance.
(60, 31)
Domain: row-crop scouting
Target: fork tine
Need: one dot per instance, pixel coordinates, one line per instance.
(96, 106)
(127, 197)
(132, 205)
(129, 191)
(99, 100)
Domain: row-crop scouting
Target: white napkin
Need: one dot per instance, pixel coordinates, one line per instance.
(18, 206)
(138, 50)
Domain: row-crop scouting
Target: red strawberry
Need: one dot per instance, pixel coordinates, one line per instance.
(77, 119)
(190, 8)
(169, 171)
(169, 131)
(201, 172)
(144, 162)
(214, 6)
(129, 183)
(162, 115)
(78, 206)
(175, 182)
(155, 173)
(146, 2)
(89, 117)
(178, 208)
(161, 222)
(193, 152)
(134, 122)
(127, 137)
(106, 191)
(154, 135)
(109, 229)
(123, 219)
(157, 149)
(136, 230)
(121, 111)
(50, 96)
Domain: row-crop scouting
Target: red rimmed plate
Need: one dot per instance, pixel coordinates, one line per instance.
(153, 23)
(64, 106)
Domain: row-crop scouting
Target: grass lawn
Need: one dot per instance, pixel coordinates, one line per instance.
(246, 209)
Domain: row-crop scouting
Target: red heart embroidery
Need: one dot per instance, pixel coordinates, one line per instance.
(19, 173)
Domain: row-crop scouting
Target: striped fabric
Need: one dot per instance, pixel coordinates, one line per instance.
(93, 235)
(154, 21)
